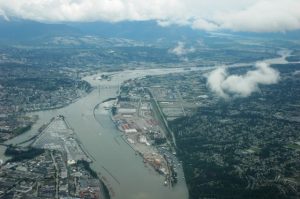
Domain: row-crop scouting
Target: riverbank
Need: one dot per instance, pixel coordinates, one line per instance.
(45, 173)
(135, 116)
(131, 178)
(59, 135)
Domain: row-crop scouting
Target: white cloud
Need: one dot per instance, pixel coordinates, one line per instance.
(204, 24)
(225, 85)
(215, 80)
(181, 50)
(237, 15)
(264, 16)
(3, 15)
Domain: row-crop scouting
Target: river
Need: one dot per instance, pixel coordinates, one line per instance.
(113, 158)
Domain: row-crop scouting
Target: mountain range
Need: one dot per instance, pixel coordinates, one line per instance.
(26, 30)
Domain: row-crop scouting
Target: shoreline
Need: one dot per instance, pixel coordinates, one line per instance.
(79, 99)
(44, 109)
(157, 160)
(283, 54)
(70, 134)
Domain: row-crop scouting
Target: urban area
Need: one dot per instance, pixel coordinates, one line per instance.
(53, 166)
(227, 146)
(239, 147)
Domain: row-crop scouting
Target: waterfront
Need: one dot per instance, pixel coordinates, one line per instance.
(125, 172)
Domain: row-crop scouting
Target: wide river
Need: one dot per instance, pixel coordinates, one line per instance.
(113, 158)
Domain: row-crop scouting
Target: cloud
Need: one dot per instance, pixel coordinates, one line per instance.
(215, 80)
(91, 10)
(204, 25)
(264, 16)
(3, 15)
(210, 15)
(180, 49)
(226, 85)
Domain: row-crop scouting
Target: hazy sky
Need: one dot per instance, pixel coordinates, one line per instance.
(236, 15)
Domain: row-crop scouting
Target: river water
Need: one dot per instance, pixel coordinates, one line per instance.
(125, 171)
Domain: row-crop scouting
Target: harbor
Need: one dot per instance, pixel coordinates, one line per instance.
(124, 172)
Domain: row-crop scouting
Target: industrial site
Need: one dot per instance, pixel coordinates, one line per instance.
(135, 114)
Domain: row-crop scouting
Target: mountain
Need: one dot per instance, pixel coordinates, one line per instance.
(138, 30)
(292, 35)
(26, 30)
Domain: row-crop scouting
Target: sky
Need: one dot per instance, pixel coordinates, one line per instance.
(209, 15)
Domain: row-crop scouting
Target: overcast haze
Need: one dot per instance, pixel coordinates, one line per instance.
(211, 15)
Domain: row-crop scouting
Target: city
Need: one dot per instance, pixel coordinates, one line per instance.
(139, 100)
